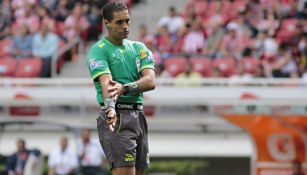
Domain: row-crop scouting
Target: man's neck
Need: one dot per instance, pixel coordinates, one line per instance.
(114, 41)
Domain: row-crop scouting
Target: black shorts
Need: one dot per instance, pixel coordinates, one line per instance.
(127, 145)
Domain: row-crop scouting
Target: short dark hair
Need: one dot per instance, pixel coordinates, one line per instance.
(111, 7)
(22, 141)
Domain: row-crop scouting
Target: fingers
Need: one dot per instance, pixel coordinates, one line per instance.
(111, 89)
(115, 97)
(112, 82)
(111, 127)
(111, 120)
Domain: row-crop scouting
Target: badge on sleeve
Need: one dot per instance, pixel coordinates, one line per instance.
(95, 64)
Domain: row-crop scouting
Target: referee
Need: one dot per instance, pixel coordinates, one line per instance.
(121, 70)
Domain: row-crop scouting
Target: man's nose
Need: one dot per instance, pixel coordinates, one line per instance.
(125, 25)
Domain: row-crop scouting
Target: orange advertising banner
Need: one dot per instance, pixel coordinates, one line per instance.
(280, 142)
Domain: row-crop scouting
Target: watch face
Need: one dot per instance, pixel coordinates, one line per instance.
(126, 89)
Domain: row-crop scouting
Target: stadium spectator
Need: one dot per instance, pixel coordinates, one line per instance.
(165, 42)
(49, 4)
(194, 40)
(19, 7)
(91, 156)
(285, 66)
(4, 26)
(22, 43)
(266, 46)
(173, 21)
(302, 9)
(216, 16)
(17, 162)
(143, 33)
(30, 19)
(75, 23)
(241, 76)
(149, 41)
(95, 18)
(160, 71)
(302, 49)
(62, 160)
(45, 17)
(214, 40)
(61, 12)
(189, 77)
(232, 45)
(269, 22)
(6, 10)
(45, 44)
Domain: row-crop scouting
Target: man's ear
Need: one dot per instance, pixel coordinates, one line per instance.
(106, 23)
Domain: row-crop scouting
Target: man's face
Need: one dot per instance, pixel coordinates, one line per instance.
(20, 146)
(118, 27)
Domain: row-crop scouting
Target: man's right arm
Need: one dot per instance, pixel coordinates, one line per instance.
(99, 70)
(109, 101)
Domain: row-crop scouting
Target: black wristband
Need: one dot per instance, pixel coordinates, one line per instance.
(126, 89)
(131, 88)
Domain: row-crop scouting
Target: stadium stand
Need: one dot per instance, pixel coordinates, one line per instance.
(64, 19)
(259, 25)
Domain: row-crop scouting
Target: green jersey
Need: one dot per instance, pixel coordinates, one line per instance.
(124, 62)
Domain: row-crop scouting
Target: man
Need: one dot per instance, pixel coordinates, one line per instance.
(121, 70)
(173, 21)
(189, 77)
(45, 44)
(90, 154)
(16, 164)
(62, 160)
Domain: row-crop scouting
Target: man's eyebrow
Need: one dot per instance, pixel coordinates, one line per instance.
(124, 19)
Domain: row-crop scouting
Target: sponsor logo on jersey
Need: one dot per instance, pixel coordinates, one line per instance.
(95, 64)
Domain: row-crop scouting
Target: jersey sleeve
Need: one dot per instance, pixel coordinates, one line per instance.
(147, 60)
(97, 63)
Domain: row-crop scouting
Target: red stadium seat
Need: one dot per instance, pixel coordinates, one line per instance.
(250, 64)
(203, 66)
(287, 29)
(175, 65)
(29, 67)
(225, 66)
(7, 66)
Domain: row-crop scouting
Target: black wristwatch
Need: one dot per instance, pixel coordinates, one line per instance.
(126, 89)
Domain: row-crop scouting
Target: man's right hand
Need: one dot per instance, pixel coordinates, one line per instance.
(111, 116)
(116, 89)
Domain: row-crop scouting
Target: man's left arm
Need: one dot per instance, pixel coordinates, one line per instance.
(147, 82)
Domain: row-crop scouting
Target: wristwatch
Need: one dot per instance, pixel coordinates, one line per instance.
(126, 89)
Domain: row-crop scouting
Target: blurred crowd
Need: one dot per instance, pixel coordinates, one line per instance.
(232, 38)
(217, 38)
(39, 28)
(87, 159)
